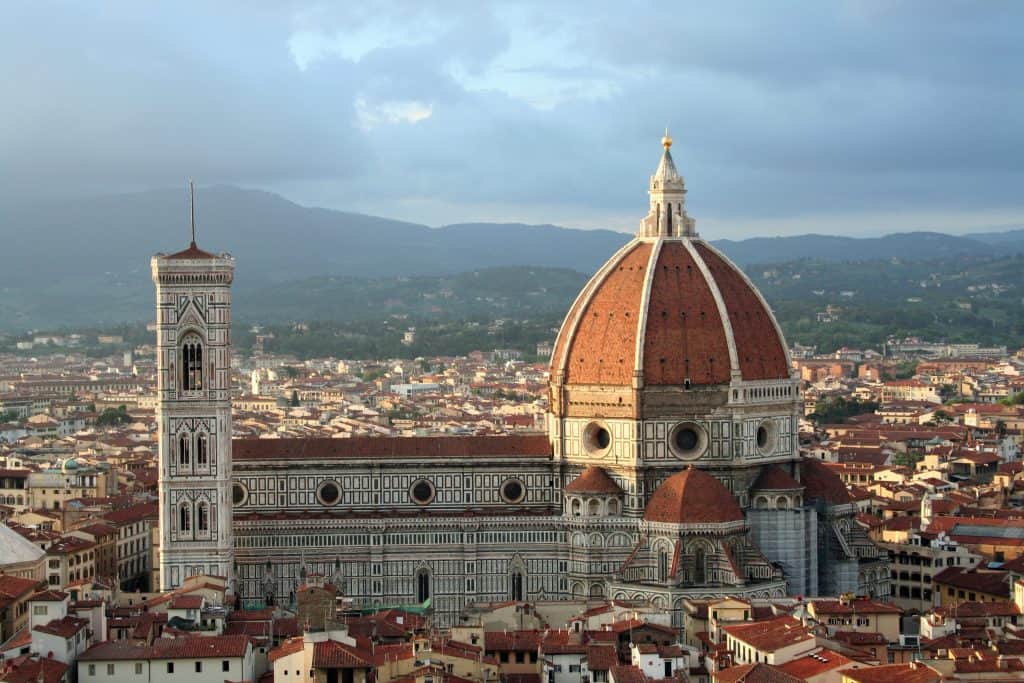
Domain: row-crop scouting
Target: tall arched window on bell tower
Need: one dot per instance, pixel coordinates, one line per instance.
(202, 450)
(184, 450)
(184, 519)
(422, 585)
(517, 586)
(191, 363)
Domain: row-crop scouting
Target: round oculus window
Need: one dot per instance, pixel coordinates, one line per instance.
(596, 438)
(239, 494)
(687, 440)
(513, 491)
(422, 492)
(328, 493)
(765, 437)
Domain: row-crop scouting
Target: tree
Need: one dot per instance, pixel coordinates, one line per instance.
(291, 371)
(113, 416)
(294, 402)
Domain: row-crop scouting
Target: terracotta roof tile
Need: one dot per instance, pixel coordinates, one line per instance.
(594, 479)
(774, 478)
(603, 350)
(684, 337)
(692, 496)
(761, 353)
(821, 483)
(192, 253)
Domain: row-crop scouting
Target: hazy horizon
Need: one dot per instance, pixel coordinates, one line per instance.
(858, 118)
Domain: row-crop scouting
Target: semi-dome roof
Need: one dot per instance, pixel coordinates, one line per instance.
(692, 496)
(667, 308)
(594, 480)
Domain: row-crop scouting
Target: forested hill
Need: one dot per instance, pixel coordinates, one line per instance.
(86, 261)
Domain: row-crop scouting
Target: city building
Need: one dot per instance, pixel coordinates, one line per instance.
(670, 470)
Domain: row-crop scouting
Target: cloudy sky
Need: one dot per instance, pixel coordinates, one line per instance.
(856, 117)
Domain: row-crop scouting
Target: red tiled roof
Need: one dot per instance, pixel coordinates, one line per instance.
(755, 673)
(49, 596)
(513, 445)
(63, 628)
(771, 634)
(135, 513)
(822, 483)
(594, 480)
(603, 348)
(331, 654)
(988, 581)
(601, 657)
(628, 674)
(762, 354)
(692, 496)
(893, 673)
(15, 586)
(857, 606)
(36, 670)
(683, 334)
(192, 253)
(814, 665)
(288, 647)
(187, 602)
(774, 478)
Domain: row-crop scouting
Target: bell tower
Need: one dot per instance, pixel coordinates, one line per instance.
(193, 317)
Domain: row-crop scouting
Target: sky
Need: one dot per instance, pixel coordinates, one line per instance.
(843, 117)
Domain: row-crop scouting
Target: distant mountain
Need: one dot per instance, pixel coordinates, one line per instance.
(87, 260)
(906, 246)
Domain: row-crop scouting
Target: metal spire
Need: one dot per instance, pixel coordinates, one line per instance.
(192, 208)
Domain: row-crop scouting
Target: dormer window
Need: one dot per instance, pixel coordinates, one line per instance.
(191, 363)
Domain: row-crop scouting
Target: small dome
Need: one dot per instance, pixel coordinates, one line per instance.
(822, 483)
(70, 464)
(594, 480)
(774, 478)
(692, 497)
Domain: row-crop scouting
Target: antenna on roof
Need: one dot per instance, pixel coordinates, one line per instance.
(192, 208)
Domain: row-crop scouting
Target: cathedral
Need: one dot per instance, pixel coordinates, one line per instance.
(670, 468)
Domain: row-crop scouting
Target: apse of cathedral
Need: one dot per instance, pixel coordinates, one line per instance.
(670, 470)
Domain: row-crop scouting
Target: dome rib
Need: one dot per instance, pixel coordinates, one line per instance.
(668, 310)
(605, 337)
(692, 496)
(760, 356)
(567, 332)
(639, 352)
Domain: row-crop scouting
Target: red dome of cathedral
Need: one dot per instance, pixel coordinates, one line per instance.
(672, 309)
(667, 308)
(692, 496)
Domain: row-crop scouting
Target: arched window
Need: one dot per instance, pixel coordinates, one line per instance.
(699, 565)
(203, 517)
(663, 566)
(184, 519)
(201, 449)
(184, 450)
(191, 363)
(613, 507)
(516, 581)
(422, 585)
(577, 506)
(593, 507)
